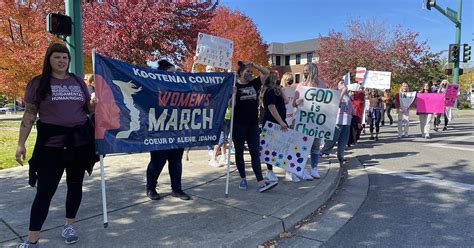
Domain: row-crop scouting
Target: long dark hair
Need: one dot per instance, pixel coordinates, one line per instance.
(44, 87)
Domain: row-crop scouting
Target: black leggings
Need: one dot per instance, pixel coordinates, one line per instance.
(437, 120)
(249, 133)
(50, 170)
(389, 115)
(374, 120)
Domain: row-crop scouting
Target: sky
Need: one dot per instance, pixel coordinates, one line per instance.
(294, 20)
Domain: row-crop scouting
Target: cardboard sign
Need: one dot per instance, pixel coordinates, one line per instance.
(288, 150)
(360, 74)
(214, 51)
(451, 95)
(378, 80)
(429, 103)
(289, 93)
(317, 115)
(406, 99)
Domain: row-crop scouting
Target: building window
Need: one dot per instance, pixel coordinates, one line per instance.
(298, 59)
(309, 57)
(297, 78)
(278, 62)
(287, 60)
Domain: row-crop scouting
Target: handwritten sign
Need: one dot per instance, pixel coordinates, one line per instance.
(429, 103)
(360, 74)
(214, 51)
(289, 93)
(451, 95)
(406, 99)
(317, 115)
(288, 150)
(378, 80)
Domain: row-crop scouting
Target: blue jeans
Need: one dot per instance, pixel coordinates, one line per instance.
(341, 135)
(157, 162)
(251, 134)
(315, 150)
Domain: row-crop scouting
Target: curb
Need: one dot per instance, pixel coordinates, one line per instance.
(270, 226)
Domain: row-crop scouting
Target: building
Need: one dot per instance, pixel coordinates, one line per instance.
(292, 56)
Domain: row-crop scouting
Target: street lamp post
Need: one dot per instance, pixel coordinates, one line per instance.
(74, 42)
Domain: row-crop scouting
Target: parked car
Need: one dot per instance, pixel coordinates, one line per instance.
(8, 109)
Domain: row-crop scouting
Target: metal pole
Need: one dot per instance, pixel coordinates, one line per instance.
(74, 42)
(104, 198)
(458, 41)
(230, 138)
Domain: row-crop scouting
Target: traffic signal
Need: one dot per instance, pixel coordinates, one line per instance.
(467, 53)
(430, 3)
(59, 24)
(448, 72)
(453, 53)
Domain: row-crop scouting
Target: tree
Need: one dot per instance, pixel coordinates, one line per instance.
(23, 42)
(372, 45)
(142, 31)
(235, 26)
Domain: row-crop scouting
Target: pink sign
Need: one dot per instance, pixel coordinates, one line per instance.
(429, 103)
(451, 95)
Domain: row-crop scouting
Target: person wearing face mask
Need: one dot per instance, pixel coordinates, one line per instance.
(425, 119)
(65, 140)
(310, 72)
(402, 111)
(246, 127)
(341, 133)
(447, 112)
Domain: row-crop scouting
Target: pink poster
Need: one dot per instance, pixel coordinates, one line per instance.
(451, 95)
(429, 103)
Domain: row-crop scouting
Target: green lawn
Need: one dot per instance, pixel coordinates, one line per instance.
(9, 141)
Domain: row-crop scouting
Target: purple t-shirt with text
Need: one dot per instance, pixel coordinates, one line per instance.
(65, 107)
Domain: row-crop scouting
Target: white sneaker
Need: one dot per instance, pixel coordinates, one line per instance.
(271, 176)
(315, 173)
(291, 177)
(306, 176)
(214, 163)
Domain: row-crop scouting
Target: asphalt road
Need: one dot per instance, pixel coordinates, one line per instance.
(421, 192)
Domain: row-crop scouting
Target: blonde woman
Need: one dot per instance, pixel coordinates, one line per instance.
(310, 73)
(403, 112)
(287, 80)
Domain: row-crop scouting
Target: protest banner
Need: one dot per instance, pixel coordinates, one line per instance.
(360, 74)
(451, 95)
(288, 150)
(378, 80)
(143, 109)
(429, 103)
(289, 93)
(214, 51)
(317, 115)
(406, 99)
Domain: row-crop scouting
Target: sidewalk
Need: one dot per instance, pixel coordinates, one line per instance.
(245, 219)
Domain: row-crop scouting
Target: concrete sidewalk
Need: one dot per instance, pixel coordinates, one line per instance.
(244, 219)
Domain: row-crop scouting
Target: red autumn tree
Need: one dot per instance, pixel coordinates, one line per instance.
(235, 26)
(372, 45)
(142, 31)
(23, 42)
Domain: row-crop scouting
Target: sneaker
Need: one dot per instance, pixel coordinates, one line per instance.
(69, 234)
(152, 194)
(223, 160)
(267, 186)
(306, 176)
(214, 163)
(27, 244)
(271, 176)
(181, 195)
(436, 129)
(315, 173)
(243, 184)
(445, 128)
(405, 135)
(427, 137)
(292, 177)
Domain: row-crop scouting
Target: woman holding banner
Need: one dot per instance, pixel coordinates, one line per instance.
(246, 126)
(425, 118)
(375, 113)
(65, 140)
(447, 111)
(402, 103)
(158, 160)
(310, 73)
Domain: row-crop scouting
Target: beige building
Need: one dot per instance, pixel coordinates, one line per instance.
(292, 56)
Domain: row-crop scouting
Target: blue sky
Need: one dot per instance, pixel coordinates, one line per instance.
(292, 20)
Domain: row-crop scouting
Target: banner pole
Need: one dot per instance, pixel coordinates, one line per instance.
(230, 138)
(104, 200)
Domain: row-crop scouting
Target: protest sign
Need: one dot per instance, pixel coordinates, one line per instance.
(451, 95)
(289, 93)
(377, 80)
(429, 103)
(360, 74)
(288, 150)
(406, 99)
(317, 115)
(143, 109)
(214, 51)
